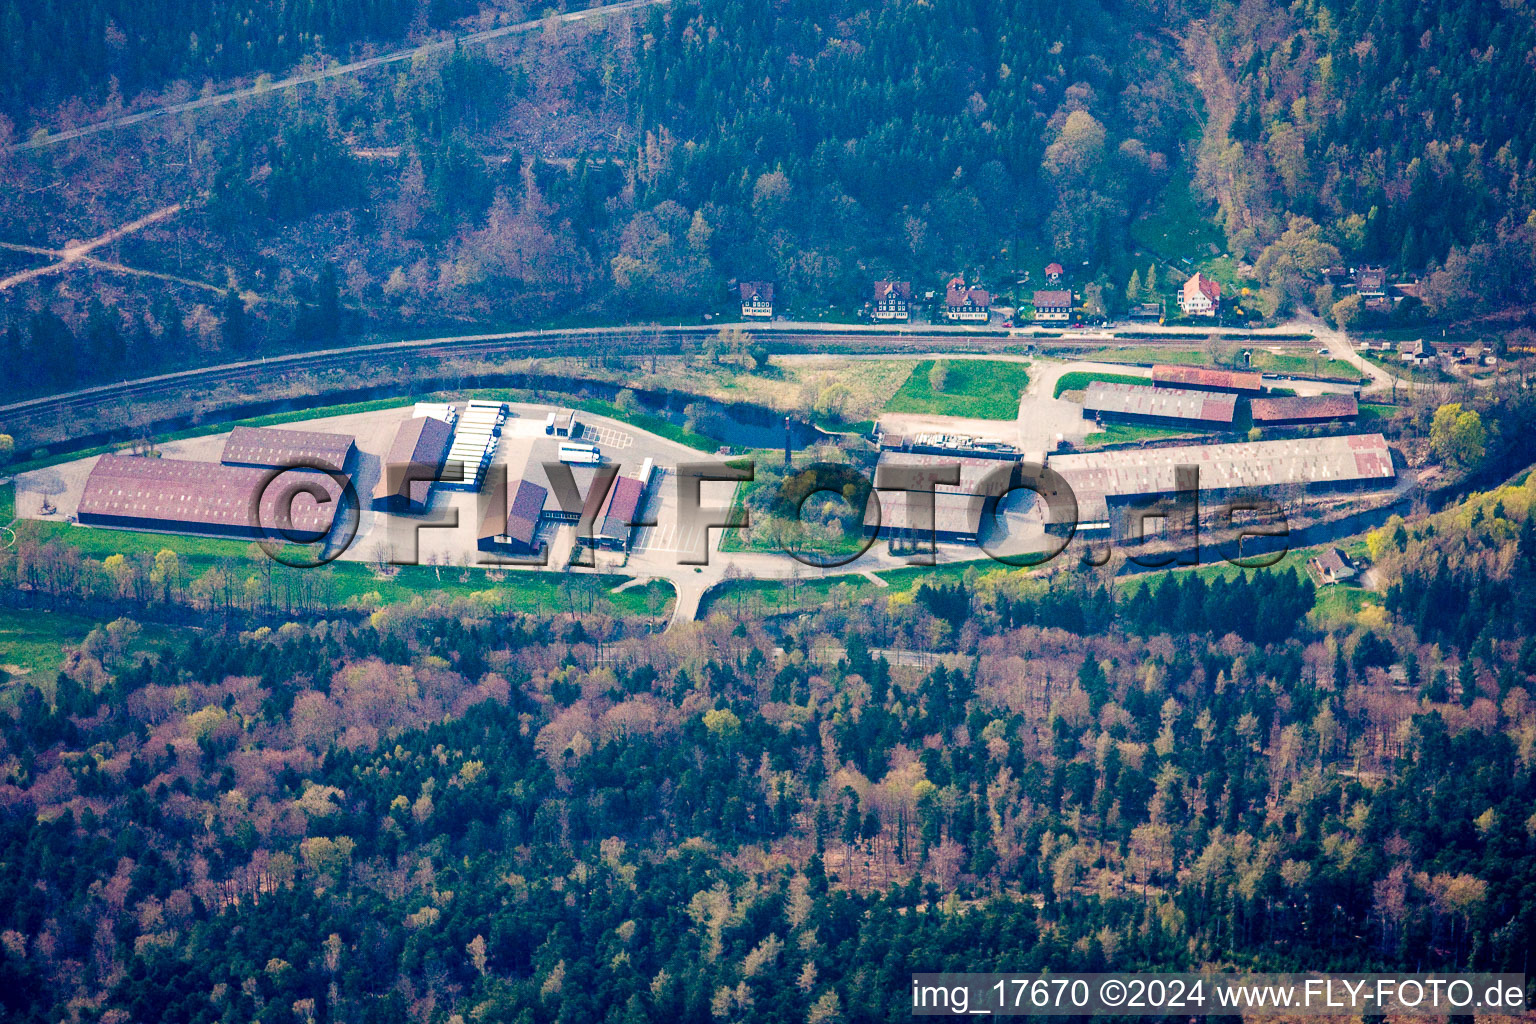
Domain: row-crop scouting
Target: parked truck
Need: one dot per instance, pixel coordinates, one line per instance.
(580, 454)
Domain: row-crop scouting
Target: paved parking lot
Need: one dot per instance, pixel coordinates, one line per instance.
(668, 537)
(606, 437)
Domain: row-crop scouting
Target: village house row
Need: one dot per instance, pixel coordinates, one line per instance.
(962, 303)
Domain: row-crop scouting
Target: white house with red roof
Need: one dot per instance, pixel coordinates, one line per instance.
(1200, 296)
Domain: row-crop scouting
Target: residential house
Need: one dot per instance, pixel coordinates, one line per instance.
(1331, 566)
(966, 305)
(1053, 272)
(756, 299)
(1371, 285)
(1200, 296)
(893, 301)
(1417, 353)
(1053, 306)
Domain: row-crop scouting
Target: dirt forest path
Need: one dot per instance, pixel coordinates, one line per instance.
(47, 139)
(80, 252)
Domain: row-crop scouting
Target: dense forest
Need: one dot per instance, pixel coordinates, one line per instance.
(828, 144)
(436, 813)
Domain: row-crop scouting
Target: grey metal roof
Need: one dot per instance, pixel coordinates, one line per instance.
(1160, 403)
(1097, 476)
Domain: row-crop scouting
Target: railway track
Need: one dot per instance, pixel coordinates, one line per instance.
(24, 419)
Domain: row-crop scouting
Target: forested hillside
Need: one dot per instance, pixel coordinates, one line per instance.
(825, 144)
(630, 168)
(1403, 128)
(438, 811)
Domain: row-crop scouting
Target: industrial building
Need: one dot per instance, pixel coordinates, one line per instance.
(1105, 482)
(957, 508)
(512, 523)
(445, 411)
(1168, 407)
(182, 496)
(562, 423)
(474, 442)
(613, 526)
(1292, 411)
(416, 458)
(272, 446)
(1201, 379)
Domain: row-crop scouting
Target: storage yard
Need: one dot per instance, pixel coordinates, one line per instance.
(186, 488)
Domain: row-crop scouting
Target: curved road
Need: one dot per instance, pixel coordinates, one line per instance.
(336, 71)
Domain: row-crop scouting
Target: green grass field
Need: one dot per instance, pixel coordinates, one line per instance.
(1078, 380)
(1175, 227)
(1124, 433)
(1377, 411)
(984, 389)
(1146, 354)
(1316, 365)
(33, 643)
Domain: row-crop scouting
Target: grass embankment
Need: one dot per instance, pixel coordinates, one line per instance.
(785, 595)
(767, 597)
(983, 389)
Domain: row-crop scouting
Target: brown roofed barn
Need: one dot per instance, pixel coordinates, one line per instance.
(1202, 379)
(177, 495)
(271, 446)
(415, 459)
(513, 521)
(1304, 409)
